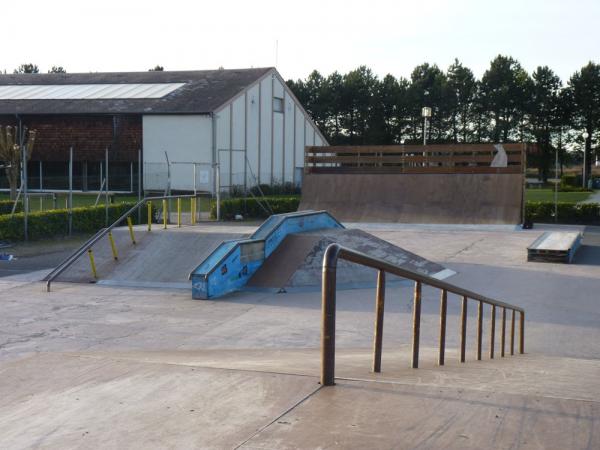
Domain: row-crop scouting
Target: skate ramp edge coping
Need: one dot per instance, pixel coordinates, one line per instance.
(229, 267)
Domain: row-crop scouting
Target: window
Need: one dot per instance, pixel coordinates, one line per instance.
(277, 104)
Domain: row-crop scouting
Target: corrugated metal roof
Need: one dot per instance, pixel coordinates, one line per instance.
(87, 91)
(199, 92)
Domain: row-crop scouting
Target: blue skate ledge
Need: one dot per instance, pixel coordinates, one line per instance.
(229, 267)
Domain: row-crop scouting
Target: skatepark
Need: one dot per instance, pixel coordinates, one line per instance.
(141, 354)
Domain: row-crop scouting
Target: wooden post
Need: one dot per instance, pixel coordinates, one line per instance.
(379, 307)
(492, 331)
(479, 329)
(463, 329)
(416, 325)
(443, 310)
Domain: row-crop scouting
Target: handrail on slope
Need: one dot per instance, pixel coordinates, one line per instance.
(100, 234)
(334, 252)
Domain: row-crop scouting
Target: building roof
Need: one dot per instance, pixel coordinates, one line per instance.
(186, 92)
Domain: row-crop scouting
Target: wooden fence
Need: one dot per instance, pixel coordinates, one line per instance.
(457, 158)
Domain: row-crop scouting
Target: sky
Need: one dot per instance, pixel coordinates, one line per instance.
(387, 36)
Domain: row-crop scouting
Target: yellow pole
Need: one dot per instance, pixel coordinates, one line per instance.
(92, 263)
(112, 245)
(149, 216)
(130, 225)
(179, 212)
(165, 214)
(193, 211)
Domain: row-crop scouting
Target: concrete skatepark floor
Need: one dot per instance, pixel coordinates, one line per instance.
(88, 366)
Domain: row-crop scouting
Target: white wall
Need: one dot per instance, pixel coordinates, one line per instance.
(186, 138)
(272, 142)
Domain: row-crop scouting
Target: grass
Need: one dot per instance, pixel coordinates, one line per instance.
(547, 195)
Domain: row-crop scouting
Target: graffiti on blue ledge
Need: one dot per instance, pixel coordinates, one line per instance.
(233, 263)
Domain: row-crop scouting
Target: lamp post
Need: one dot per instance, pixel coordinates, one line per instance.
(426, 114)
(585, 136)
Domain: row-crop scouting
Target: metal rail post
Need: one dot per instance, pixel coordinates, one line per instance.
(179, 212)
(379, 307)
(416, 325)
(512, 333)
(130, 225)
(463, 329)
(443, 311)
(492, 331)
(165, 214)
(92, 263)
(503, 334)
(522, 333)
(113, 246)
(149, 216)
(479, 329)
(328, 293)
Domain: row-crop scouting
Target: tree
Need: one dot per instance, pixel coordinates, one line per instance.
(427, 88)
(544, 115)
(57, 69)
(461, 92)
(356, 103)
(584, 92)
(504, 94)
(157, 68)
(10, 153)
(27, 68)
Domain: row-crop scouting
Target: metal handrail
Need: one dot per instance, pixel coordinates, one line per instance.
(334, 252)
(100, 234)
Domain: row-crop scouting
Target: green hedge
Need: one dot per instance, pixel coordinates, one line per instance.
(575, 213)
(7, 205)
(55, 222)
(250, 207)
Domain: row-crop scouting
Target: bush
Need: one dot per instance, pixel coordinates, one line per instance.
(55, 222)
(7, 205)
(250, 207)
(568, 181)
(574, 213)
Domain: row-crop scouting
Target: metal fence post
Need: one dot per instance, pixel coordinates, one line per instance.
(70, 190)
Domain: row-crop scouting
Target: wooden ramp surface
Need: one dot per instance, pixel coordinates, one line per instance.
(416, 198)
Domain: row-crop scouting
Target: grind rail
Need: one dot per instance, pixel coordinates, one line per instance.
(87, 246)
(334, 252)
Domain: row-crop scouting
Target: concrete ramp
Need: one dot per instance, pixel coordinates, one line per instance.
(160, 258)
(416, 198)
(297, 263)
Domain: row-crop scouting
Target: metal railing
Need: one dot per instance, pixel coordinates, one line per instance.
(86, 247)
(334, 252)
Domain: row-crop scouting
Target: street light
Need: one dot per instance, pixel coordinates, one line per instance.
(425, 113)
(585, 136)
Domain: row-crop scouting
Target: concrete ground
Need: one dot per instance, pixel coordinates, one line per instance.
(88, 366)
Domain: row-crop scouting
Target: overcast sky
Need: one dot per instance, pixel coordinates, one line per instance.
(388, 36)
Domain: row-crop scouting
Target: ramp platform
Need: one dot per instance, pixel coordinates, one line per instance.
(450, 184)
(554, 246)
(297, 263)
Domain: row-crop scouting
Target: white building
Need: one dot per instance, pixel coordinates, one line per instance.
(216, 128)
(254, 133)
